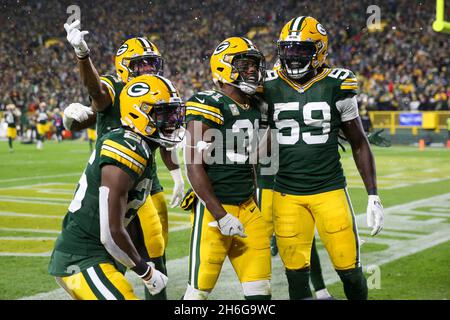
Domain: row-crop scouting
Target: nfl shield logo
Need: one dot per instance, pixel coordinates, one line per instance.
(234, 109)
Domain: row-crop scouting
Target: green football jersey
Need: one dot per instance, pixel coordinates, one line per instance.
(110, 119)
(308, 118)
(264, 181)
(79, 242)
(231, 173)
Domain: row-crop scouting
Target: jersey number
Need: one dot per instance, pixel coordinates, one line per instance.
(246, 144)
(142, 189)
(294, 126)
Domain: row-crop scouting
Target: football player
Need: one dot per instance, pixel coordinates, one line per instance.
(94, 245)
(310, 103)
(42, 127)
(58, 124)
(226, 222)
(10, 119)
(135, 56)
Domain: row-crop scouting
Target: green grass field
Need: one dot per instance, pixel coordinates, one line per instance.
(411, 256)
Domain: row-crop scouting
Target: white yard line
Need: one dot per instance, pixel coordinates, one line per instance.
(42, 177)
(28, 215)
(27, 238)
(50, 203)
(389, 185)
(35, 185)
(229, 288)
(34, 198)
(30, 230)
(15, 254)
(180, 228)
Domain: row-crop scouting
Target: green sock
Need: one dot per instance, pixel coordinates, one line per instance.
(164, 261)
(355, 284)
(10, 143)
(316, 270)
(160, 266)
(298, 281)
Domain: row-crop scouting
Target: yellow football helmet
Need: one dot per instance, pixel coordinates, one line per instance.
(153, 108)
(302, 46)
(138, 56)
(238, 62)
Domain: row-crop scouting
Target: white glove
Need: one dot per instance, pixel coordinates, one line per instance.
(375, 215)
(157, 282)
(76, 39)
(229, 225)
(77, 112)
(178, 188)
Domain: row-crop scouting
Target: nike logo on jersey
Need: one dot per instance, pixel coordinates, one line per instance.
(200, 100)
(132, 147)
(154, 284)
(252, 209)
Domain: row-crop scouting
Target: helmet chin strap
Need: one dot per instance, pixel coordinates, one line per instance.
(245, 87)
(175, 137)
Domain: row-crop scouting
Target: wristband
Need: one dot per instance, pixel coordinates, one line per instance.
(142, 269)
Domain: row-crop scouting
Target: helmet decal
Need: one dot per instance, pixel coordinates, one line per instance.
(223, 46)
(138, 89)
(122, 49)
(321, 29)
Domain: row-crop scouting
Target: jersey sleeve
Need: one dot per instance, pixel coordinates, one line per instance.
(125, 154)
(348, 108)
(200, 108)
(108, 81)
(348, 87)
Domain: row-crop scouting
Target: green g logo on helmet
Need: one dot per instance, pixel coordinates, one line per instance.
(138, 89)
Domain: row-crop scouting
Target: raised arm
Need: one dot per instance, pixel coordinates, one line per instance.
(89, 75)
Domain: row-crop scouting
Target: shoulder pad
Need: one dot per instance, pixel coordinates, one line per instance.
(209, 97)
(346, 79)
(341, 74)
(207, 105)
(118, 145)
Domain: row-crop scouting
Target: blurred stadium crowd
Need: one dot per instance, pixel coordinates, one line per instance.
(404, 65)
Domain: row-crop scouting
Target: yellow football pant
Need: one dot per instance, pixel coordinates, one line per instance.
(332, 214)
(100, 282)
(250, 257)
(152, 231)
(92, 134)
(265, 201)
(42, 129)
(11, 133)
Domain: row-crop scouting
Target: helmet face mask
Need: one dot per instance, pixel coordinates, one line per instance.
(168, 119)
(145, 65)
(250, 68)
(297, 58)
(136, 57)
